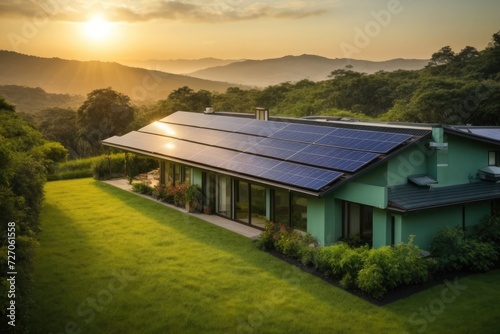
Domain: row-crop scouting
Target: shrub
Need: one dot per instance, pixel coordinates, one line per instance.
(160, 192)
(457, 251)
(488, 230)
(412, 267)
(109, 166)
(372, 281)
(328, 259)
(351, 263)
(289, 242)
(194, 197)
(178, 193)
(136, 165)
(266, 238)
(142, 188)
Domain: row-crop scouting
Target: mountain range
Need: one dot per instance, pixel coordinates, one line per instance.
(63, 76)
(263, 73)
(78, 78)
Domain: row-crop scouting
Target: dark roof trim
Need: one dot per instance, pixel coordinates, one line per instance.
(395, 208)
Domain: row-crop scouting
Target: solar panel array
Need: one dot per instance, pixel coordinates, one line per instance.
(301, 155)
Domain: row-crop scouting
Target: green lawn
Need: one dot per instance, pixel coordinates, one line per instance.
(112, 262)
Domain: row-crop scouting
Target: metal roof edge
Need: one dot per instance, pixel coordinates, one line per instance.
(457, 131)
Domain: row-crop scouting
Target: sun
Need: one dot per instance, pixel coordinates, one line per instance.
(97, 29)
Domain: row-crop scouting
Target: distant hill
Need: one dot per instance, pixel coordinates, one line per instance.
(178, 66)
(267, 72)
(61, 76)
(31, 100)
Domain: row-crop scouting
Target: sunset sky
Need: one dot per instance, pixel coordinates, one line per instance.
(363, 29)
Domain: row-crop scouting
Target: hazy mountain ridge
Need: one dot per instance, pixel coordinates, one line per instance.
(62, 76)
(267, 72)
(32, 100)
(179, 66)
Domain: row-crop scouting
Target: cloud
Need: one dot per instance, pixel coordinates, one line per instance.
(171, 10)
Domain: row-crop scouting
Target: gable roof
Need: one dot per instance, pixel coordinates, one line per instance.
(306, 156)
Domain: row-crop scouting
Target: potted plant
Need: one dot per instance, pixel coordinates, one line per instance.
(207, 209)
(194, 197)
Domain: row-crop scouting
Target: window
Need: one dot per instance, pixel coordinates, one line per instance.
(357, 222)
(176, 173)
(289, 209)
(186, 175)
(224, 196)
(299, 212)
(281, 206)
(494, 158)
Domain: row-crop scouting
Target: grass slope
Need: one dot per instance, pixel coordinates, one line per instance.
(112, 262)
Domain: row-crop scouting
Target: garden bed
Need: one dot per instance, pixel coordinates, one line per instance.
(394, 295)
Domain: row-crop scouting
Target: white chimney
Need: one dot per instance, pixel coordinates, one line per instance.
(209, 110)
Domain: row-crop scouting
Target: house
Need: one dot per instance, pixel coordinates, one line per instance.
(379, 182)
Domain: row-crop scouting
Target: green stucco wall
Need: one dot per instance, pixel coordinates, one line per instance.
(412, 161)
(465, 157)
(324, 220)
(425, 224)
(367, 194)
(381, 228)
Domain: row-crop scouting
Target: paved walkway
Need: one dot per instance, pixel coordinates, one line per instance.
(230, 225)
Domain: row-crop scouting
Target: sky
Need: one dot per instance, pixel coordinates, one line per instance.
(117, 30)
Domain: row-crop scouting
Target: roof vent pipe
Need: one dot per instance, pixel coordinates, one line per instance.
(262, 113)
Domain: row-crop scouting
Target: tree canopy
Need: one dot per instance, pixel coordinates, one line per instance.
(104, 113)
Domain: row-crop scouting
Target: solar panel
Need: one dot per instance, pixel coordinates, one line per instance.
(249, 164)
(238, 142)
(169, 130)
(228, 123)
(304, 137)
(277, 148)
(213, 156)
(179, 149)
(189, 118)
(306, 128)
(363, 140)
(302, 176)
(206, 136)
(261, 128)
(140, 141)
(334, 158)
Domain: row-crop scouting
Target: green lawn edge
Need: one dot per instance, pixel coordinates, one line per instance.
(110, 261)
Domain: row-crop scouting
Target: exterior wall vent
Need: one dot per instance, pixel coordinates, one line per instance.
(438, 146)
(490, 173)
(209, 110)
(262, 113)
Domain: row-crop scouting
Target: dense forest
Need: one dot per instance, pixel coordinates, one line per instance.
(25, 159)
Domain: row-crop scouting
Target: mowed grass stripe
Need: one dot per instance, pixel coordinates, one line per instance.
(178, 274)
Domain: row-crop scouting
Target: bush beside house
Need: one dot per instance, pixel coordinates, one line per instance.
(377, 271)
